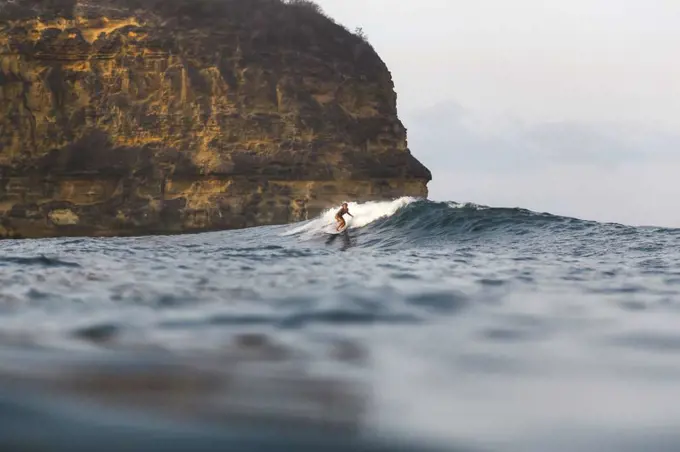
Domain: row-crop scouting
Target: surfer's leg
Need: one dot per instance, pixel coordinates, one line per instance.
(341, 223)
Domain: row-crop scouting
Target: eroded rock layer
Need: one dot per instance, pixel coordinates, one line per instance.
(122, 117)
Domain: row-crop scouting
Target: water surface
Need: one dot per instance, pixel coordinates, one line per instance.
(427, 326)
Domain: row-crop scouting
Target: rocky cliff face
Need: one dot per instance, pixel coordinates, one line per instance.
(122, 117)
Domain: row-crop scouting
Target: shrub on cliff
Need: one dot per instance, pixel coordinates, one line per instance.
(308, 4)
(360, 33)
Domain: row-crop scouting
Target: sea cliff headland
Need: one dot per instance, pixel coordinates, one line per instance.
(130, 117)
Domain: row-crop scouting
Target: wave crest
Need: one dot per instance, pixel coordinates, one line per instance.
(364, 214)
(412, 220)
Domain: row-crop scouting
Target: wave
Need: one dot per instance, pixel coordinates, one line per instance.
(364, 214)
(42, 261)
(416, 220)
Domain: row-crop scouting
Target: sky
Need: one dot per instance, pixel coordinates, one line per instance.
(569, 107)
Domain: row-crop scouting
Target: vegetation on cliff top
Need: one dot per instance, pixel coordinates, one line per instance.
(309, 4)
(65, 8)
(301, 23)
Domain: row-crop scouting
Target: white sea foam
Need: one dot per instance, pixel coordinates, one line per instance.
(364, 214)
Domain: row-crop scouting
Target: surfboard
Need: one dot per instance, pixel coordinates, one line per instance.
(331, 229)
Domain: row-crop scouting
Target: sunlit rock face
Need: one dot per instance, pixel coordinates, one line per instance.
(124, 117)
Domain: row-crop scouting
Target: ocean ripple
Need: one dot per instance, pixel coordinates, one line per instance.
(424, 326)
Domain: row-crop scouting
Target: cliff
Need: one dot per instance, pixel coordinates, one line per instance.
(122, 117)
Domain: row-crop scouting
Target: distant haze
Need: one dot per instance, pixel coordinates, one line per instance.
(571, 107)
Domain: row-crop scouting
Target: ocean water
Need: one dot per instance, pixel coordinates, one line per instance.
(426, 326)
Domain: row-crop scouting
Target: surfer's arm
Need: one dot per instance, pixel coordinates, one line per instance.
(350, 214)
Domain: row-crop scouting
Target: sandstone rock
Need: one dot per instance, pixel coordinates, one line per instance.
(121, 117)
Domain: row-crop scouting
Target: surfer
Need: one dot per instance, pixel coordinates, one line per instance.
(338, 216)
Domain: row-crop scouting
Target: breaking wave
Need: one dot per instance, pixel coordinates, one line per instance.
(421, 221)
(364, 215)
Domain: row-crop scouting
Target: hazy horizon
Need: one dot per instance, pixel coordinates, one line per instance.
(569, 107)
